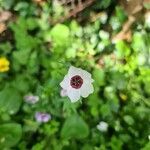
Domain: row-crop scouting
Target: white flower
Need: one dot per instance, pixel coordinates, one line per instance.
(102, 126)
(77, 83)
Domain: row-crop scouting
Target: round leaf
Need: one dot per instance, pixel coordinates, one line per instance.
(75, 127)
(10, 100)
(10, 134)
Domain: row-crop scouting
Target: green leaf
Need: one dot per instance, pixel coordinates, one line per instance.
(22, 83)
(75, 127)
(51, 129)
(7, 4)
(75, 28)
(146, 147)
(120, 13)
(87, 147)
(71, 53)
(32, 23)
(109, 92)
(116, 144)
(10, 100)
(125, 137)
(38, 146)
(104, 3)
(60, 28)
(128, 119)
(138, 43)
(94, 101)
(5, 48)
(99, 76)
(147, 87)
(123, 49)
(10, 134)
(21, 57)
(118, 80)
(60, 35)
(23, 40)
(105, 111)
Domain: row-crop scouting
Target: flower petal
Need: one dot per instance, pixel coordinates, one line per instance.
(78, 71)
(65, 83)
(74, 71)
(74, 95)
(86, 74)
(86, 89)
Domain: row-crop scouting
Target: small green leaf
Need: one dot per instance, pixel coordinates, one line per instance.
(71, 53)
(116, 143)
(31, 23)
(128, 119)
(105, 110)
(99, 76)
(104, 3)
(123, 49)
(120, 13)
(5, 48)
(138, 42)
(118, 80)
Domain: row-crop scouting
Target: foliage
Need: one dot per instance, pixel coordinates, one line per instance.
(40, 54)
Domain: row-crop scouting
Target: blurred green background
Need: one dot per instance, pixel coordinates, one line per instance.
(40, 39)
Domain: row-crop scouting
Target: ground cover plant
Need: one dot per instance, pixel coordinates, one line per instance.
(107, 45)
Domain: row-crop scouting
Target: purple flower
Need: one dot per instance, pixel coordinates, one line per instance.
(31, 99)
(42, 117)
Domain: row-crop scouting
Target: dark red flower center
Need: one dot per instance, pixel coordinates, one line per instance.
(76, 82)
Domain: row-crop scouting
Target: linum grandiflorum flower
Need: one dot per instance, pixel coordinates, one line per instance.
(77, 83)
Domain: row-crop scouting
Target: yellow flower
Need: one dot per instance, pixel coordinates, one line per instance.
(123, 96)
(4, 64)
